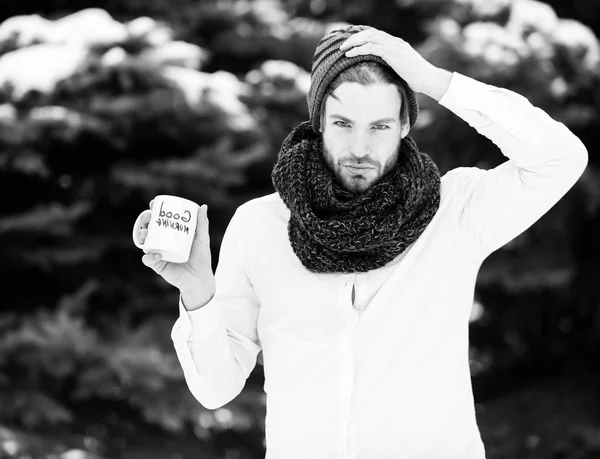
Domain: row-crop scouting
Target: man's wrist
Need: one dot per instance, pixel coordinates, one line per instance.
(438, 84)
(195, 299)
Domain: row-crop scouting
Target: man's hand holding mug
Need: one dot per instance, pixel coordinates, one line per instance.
(173, 233)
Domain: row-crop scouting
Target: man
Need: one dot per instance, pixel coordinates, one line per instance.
(356, 278)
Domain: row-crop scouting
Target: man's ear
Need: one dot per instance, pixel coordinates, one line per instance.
(404, 130)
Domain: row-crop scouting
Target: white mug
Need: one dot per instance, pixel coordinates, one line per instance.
(171, 228)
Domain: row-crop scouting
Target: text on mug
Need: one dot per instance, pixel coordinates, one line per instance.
(167, 218)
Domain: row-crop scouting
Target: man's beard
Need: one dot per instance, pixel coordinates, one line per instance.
(357, 183)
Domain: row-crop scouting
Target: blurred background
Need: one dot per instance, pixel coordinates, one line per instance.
(106, 103)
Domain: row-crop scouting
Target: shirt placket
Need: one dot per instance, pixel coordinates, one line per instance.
(351, 318)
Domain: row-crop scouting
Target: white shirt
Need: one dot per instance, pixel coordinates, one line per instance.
(385, 377)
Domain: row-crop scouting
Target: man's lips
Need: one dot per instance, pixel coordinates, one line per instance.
(359, 168)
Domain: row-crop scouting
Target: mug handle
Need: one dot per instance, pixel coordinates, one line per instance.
(138, 226)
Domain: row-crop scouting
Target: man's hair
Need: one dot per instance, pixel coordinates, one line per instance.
(366, 73)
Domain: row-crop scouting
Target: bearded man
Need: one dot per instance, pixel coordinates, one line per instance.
(356, 277)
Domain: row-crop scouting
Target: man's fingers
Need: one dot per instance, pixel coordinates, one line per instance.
(368, 48)
(154, 261)
(150, 258)
(145, 218)
(140, 229)
(358, 39)
(202, 220)
(159, 266)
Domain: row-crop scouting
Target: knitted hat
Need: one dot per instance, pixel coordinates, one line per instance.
(329, 61)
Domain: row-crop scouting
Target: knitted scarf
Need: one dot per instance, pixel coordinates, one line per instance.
(334, 230)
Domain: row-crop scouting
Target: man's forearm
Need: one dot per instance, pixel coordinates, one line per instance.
(437, 83)
(524, 133)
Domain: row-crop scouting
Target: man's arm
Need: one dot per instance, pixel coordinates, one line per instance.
(217, 344)
(545, 161)
(545, 158)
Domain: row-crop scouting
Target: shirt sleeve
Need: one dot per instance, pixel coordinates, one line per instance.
(545, 160)
(217, 345)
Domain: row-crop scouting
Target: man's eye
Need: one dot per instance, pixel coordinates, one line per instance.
(341, 123)
(381, 126)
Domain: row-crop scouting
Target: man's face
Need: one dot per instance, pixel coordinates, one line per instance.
(361, 133)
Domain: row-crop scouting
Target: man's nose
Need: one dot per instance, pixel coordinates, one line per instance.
(360, 145)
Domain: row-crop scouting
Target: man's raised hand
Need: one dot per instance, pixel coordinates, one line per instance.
(421, 75)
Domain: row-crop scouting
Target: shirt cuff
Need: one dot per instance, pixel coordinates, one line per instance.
(465, 93)
(201, 322)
